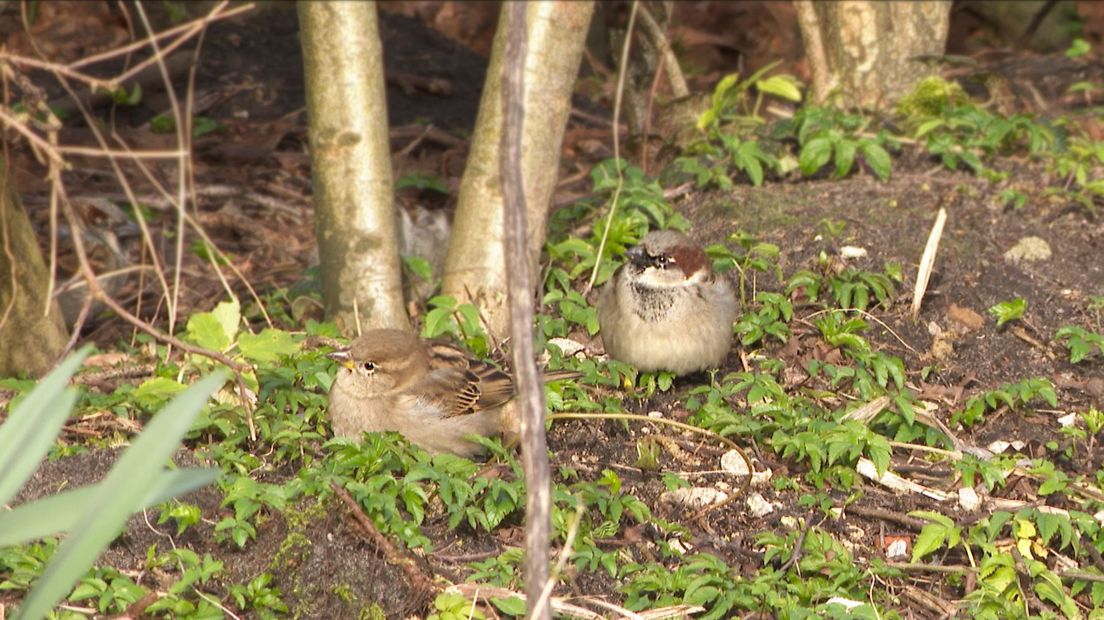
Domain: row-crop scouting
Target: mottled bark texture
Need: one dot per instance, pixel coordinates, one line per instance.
(866, 50)
(476, 269)
(351, 165)
(32, 331)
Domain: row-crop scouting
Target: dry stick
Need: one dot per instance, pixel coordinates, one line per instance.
(176, 203)
(193, 191)
(564, 556)
(927, 261)
(534, 453)
(621, 73)
(147, 237)
(421, 583)
(886, 515)
(96, 291)
(184, 142)
(648, 119)
(679, 88)
(86, 306)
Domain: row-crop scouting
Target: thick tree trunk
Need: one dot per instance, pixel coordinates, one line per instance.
(32, 331)
(866, 50)
(351, 165)
(475, 270)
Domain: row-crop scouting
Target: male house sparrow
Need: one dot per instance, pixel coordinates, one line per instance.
(665, 309)
(433, 393)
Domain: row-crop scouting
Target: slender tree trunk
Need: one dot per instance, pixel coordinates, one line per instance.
(476, 269)
(351, 165)
(32, 331)
(866, 50)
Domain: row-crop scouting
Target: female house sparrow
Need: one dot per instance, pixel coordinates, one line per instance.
(665, 309)
(432, 392)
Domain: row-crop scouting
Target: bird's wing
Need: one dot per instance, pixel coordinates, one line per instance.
(461, 391)
(464, 384)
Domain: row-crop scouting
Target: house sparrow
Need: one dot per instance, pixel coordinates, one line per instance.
(665, 309)
(430, 391)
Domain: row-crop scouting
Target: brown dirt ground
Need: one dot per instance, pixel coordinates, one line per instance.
(890, 220)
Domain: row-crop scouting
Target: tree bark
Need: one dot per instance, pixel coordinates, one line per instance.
(351, 165)
(475, 270)
(866, 50)
(32, 330)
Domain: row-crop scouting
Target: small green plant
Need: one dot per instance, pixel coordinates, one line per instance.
(1013, 198)
(728, 126)
(459, 320)
(201, 125)
(1081, 342)
(993, 472)
(1079, 166)
(1011, 395)
(1006, 311)
(452, 606)
(732, 102)
(771, 319)
(828, 135)
(259, 596)
(422, 182)
(757, 257)
(1078, 48)
(941, 531)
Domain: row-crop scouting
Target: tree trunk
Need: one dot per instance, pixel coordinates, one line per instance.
(866, 50)
(32, 331)
(475, 270)
(351, 165)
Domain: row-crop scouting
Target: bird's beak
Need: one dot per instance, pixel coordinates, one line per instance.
(343, 358)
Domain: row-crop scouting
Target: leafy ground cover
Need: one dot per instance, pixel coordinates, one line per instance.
(931, 467)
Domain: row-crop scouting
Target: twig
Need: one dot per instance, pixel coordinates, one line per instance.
(927, 262)
(885, 515)
(679, 88)
(795, 557)
(97, 292)
(422, 585)
(622, 72)
(534, 453)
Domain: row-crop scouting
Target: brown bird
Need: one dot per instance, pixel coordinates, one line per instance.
(665, 309)
(432, 392)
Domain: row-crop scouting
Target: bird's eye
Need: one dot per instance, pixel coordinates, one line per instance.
(664, 261)
(368, 367)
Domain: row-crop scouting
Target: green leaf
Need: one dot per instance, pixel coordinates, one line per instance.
(59, 513)
(30, 430)
(156, 391)
(228, 314)
(845, 157)
(205, 330)
(879, 160)
(814, 155)
(930, 539)
(784, 86)
(129, 482)
(513, 605)
(267, 346)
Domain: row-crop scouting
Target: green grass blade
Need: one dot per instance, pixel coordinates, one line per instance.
(60, 513)
(127, 484)
(33, 425)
